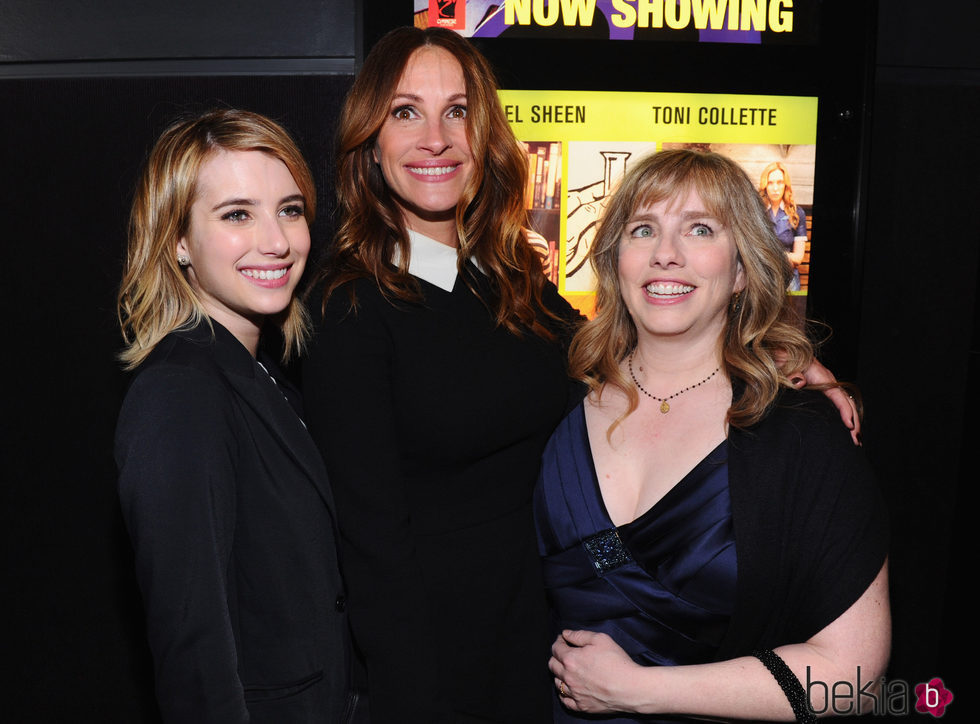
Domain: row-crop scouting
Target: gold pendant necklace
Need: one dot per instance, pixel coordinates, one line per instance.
(664, 405)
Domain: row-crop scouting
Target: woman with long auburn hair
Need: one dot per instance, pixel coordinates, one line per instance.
(486, 222)
(711, 537)
(435, 376)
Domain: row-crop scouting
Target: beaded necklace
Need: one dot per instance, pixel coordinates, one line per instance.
(664, 405)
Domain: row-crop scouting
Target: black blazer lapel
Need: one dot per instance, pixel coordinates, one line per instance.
(257, 389)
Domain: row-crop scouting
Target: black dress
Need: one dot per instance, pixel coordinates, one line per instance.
(432, 420)
(803, 511)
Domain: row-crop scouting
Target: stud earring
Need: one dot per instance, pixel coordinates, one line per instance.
(183, 260)
(736, 304)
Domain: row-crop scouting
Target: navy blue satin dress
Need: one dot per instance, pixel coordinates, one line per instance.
(662, 586)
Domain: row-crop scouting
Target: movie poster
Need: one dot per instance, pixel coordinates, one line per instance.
(580, 143)
(704, 21)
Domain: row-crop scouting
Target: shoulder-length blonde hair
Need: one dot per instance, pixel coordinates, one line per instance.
(155, 297)
(490, 216)
(760, 320)
(789, 206)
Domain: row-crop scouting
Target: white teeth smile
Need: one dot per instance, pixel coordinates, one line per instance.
(658, 289)
(265, 274)
(431, 170)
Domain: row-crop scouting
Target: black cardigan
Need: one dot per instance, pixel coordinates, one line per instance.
(811, 529)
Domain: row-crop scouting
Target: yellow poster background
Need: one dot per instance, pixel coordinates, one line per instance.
(580, 143)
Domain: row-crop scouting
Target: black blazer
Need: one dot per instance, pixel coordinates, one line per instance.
(230, 513)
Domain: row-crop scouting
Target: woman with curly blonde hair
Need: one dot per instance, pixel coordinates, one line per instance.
(764, 324)
(710, 536)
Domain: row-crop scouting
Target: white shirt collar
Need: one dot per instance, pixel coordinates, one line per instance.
(431, 261)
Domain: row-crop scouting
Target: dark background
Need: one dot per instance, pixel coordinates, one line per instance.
(84, 89)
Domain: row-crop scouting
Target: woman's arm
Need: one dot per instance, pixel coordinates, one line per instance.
(176, 454)
(798, 252)
(596, 675)
(351, 414)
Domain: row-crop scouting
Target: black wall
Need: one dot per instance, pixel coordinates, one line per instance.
(83, 92)
(918, 353)
(309, 33)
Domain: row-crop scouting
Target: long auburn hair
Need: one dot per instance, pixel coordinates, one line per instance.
(490, 216)
(155, 297)
(761, 321)
(789, 206)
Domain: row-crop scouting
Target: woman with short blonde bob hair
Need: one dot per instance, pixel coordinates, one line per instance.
(223, 492)
(155, 297)
(710, 536)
